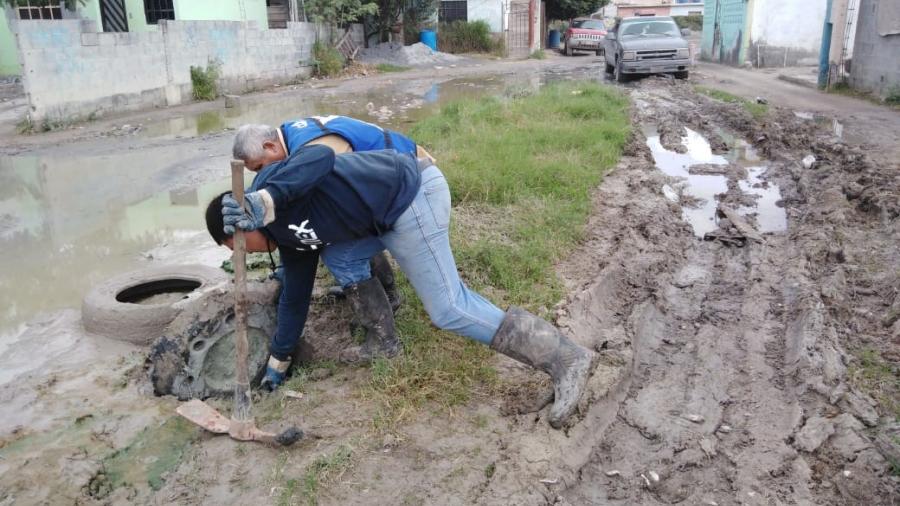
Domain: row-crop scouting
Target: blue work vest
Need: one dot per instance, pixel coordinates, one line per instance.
(360, 135)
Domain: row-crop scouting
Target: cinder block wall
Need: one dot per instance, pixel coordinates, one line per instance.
(70, 71)
(876, 59)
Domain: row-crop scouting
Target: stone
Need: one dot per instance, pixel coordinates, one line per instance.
(816, 431)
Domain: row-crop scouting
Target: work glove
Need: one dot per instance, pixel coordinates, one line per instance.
(276, 371)
(250, 218)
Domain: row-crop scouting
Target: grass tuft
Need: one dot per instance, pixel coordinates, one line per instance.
(758, 111)
(387, 67)
(877, 377)
(203, 81)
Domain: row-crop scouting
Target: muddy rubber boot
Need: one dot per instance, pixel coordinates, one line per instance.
(276, 372)
(373, 311)
(382, 270)
(533, 341)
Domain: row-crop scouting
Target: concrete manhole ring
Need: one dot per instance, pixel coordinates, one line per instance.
(137, 306)
(195, 356)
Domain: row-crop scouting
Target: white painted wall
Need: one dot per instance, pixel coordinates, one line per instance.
(793, 24)
(487, 10)
(687, 9)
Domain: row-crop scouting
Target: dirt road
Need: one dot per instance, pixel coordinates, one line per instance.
(734, 349)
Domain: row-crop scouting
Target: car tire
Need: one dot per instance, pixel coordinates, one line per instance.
(113, 309)
(599, 52)
(681, 75)
(609, 68)
(619, 75)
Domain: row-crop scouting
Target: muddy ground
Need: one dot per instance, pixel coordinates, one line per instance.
(730, 369)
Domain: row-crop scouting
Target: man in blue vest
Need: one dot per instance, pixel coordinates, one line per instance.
(369, 286)
(317, 201)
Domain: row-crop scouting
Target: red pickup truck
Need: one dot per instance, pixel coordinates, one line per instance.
(584, 34)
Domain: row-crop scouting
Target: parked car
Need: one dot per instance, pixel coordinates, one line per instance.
(646, 45)
(583, 34)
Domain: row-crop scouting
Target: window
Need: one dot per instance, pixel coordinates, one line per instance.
(155, 10)
(25, 10)
(453, 10)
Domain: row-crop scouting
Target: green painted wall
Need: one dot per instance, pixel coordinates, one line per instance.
(9, 61)
(234, 10)
(186, 10)
(726, 25)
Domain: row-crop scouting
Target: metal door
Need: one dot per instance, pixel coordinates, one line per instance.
(518, 37)
(112, 15)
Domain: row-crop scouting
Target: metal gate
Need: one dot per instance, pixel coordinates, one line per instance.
(112, 15)
(518, 38)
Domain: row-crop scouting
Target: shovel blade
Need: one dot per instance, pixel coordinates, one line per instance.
(204, 415)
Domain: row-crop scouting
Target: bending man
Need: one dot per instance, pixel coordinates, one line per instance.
(315, 198)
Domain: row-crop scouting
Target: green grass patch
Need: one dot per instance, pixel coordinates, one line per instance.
(327, 61)
(324, 470)
(538, 54)
(877, 377)
(387, 67)
(521, 170)
(203, 81)
(892, 99)
(758, 111)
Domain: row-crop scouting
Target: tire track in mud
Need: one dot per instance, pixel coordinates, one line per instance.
(737, 390)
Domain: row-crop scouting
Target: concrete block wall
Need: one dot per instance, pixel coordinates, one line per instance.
(876, 58)
(72, 71)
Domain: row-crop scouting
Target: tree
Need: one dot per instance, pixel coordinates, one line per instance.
(338, 12)
(568, 9)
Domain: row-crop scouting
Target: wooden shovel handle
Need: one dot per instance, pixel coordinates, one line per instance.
(243, 410)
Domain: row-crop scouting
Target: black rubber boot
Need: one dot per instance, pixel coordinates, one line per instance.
(372, 310)
(382, 270)
(534, 341)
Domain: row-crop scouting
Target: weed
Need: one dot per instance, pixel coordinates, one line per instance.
(518, 168)
(203, 81)
(693, 22)
(499, 48)
(538, 54)
(878, 378)
(25, 126)
(327, 61)
(324, 470)
(758, 111)
(465, 37)
(387, 67)
(893, 96)
(490, 470)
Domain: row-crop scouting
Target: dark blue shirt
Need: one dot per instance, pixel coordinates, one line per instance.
(321, 199)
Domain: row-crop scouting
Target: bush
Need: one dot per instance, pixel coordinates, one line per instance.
(203, 81)
(465, 37)
(327, 60)
(693, 22)
(537, 54)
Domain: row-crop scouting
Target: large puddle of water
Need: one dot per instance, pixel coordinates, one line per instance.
(68, 222)
(702, 189)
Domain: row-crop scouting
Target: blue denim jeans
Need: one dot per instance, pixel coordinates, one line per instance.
(420, 242)
(349, 261)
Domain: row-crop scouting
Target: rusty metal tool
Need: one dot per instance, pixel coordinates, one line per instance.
(241, 426)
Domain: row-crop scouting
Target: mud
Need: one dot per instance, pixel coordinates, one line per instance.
(727, 370)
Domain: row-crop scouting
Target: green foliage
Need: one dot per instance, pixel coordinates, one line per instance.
(325, 469)
(521, 172)
(878, 377)
(338, 12)
(893, 96)
(203, 81)
(693, 22)
(538, 54)
(568, 9)
(418, 16)
(757, 110)
(328, 61)
(387, 67)
(465, 37)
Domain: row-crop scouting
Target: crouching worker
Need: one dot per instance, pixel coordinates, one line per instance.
(365, 284)
(315, 198)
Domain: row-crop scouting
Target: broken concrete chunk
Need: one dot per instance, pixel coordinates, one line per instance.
(860, 406)
(809, 161)
(816, 431)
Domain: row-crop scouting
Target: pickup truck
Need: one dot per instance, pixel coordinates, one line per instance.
(646, 45)
(583, 34)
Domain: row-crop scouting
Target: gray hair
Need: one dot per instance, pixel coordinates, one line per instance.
(248, 143)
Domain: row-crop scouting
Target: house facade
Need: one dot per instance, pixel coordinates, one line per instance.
(764, 33)
(125, 16)
(628, 8)
(876, 51)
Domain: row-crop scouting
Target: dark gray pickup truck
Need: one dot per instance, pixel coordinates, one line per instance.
(646, 45)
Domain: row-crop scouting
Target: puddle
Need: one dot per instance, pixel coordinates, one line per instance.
(837, 128)
(69, 221)
(701, 189)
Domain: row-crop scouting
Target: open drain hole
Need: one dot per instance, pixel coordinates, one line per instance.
(164, 291)
(198, 344)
